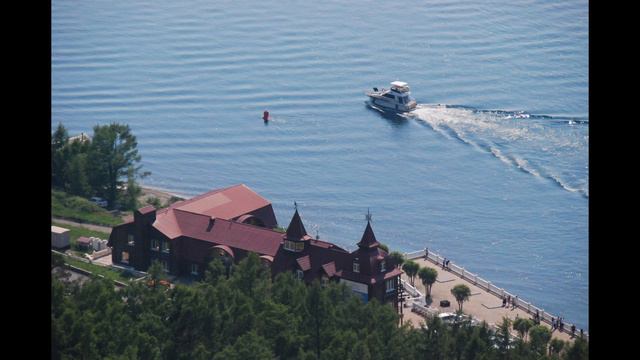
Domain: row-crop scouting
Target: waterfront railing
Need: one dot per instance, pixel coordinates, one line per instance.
(491, 288)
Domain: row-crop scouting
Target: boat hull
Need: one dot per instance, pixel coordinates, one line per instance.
(390, 105)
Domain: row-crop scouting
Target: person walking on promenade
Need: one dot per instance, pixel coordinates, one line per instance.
(444, 261)
(553, 324)
(504, 302)
(426, 253)
(448, 261)
(573, 330)
(508, 300)
(515, 302)
(581, 334)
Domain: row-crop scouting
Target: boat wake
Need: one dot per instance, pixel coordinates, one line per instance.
(544, 146)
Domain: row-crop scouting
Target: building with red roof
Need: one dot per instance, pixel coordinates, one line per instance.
(231, 222)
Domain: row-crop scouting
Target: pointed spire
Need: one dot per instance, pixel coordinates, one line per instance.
(296, 230)
(368, 238)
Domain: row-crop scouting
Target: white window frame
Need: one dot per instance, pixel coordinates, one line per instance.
(382, 266)
(390, 285)
(300, 274)
(155, 244)
(287, 245)
(165, 265)
(131, 240)
(194, 266)
(164, 246)
(356, 267)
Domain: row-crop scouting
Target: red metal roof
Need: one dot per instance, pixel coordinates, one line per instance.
(329, 268)
(304, 263)
(147, 209)
(225, 203)
(235, 235)
(183, 217)
(227, 249)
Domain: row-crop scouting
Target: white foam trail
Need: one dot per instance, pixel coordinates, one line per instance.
(497, 153)
(515, 138)
(524, 165)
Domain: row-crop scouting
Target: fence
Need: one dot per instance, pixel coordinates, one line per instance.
(411, 290)
(491, 288)
(89, 273)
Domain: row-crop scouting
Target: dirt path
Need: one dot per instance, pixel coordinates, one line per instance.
(104, 229)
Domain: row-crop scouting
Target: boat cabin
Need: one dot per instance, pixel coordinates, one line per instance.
(400, 86)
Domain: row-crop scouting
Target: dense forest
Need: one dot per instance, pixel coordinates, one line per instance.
(245, 314)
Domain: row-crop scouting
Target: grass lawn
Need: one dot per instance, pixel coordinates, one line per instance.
(79, 209)
(109, 273)
(76, 231)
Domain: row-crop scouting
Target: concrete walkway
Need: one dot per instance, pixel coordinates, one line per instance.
(481, 304)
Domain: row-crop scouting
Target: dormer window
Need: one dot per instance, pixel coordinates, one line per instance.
(293, 245)
(382, 266)
(356, 266)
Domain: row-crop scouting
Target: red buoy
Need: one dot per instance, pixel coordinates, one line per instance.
(265, 116)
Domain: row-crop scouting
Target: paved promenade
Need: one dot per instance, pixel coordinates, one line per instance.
(481, 304)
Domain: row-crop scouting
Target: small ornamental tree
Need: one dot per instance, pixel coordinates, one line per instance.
(540, 336)
(428, 276)
(156, 273)
(522, 326)
(461, 292)
(411, 269)
(555, 346)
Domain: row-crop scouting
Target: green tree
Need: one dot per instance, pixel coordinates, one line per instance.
(555, 346)
(247, 347)
(428, 276)
(215, 271)
(503, 336)
(112, 153)
(411, 269)
(461, 292)
(397, 258)
(78, 182)
(129, 198)
(540, 336)
(579, 350)
(316, 306)
(156, 273)
(522, 326)
(251, 277)
(58, 140)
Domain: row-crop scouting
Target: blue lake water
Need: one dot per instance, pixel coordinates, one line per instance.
(492, 171)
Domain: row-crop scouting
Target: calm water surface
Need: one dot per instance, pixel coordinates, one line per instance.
(492, 170)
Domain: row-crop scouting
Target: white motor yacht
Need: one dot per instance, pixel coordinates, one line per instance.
(397, 98)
